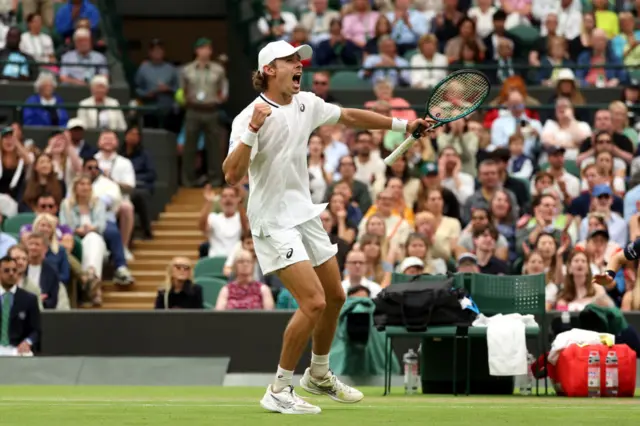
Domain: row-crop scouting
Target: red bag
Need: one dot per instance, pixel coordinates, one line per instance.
(570, 372)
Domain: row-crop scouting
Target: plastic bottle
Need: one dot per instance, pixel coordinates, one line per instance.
(593, 372)
(411, 376)
(611, 374)
(600, 82)
(525, 382)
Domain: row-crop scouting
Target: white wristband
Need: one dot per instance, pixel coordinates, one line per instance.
(249, 138)
(398, 125)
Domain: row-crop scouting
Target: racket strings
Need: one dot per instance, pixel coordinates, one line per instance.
(458, 96)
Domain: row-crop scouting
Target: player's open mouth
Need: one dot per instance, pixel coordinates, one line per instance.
(296, 80)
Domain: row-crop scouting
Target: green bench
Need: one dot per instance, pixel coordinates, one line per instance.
(493, 295)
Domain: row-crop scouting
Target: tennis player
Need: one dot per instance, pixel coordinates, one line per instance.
(269, 141)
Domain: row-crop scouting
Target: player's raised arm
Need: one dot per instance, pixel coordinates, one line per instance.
(363, 119)
(236, 165)
(630, 253)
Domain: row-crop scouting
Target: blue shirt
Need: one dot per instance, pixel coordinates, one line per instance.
(630, 200)
(6, 242)
(17, 66)
(503, 127)
(402, 34)
(395, 76)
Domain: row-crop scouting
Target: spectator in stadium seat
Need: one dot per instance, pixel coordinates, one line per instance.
(344, 228)
(445, 23)
(319, 179)
(489, 178)
(354, 213)
(388, 57)
(620, 121)
(624, 45)
(606, 20)
(481, 217)
(18, 253)
(36, 43)
(300, 36)
(276, 24)
(343, 247)
(514, 83)
(377, 269)
(506, 64)
(369, 164)
(501, 157)
(119, 170)
(336, 50)
(318, 20)
(447, 229)
(321, 85)
(597, 222)
(355, 265)
(604, 141)
(499, 31)
(542, 45)
(244, 292)
(501, 211)
(400, 169)
(145, 174)
(397, 228)
(64, 157)
(452, 177)
(74, 10)
(616, 225)
(543, 221)
(179, 292)
(520, 166)
(18, 65)
(383, 27)
(359, 25)
(469, 56)
(484, 242)
(466, 33)
(468, 264)
(581, 205)
(383, 89)
(428, 65)
(399, 203)
(80, 65)
(579, 290)
(56, 255)
(604, 162)
(42, 180)
(407, 25)
(223, 230)
(76, 128)
(569, 19)
(6, 241)
(41, 272)
(23, 334)
(482, 15)
(623, 147)
(567, 184)
(503, 127)
(564, 130)
(593, 74)
(95, 118)
(431, 179)
(418, 246)
(457, 136)
(555, 56)
(14, 162)
(45, 113)
(346, 173)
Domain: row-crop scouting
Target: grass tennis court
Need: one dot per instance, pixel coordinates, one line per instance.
(193, 406)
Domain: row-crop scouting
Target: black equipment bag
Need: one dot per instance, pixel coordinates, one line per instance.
(418, 304)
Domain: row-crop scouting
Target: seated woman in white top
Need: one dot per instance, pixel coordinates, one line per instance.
(579, 290)
(564, 130)
(35, 42)
(112, 119)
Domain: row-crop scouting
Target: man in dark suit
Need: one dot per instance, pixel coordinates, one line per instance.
(506, 64)
(42, 272)
(19, 312)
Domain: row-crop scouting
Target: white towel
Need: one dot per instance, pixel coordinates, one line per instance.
(506, 343)
(579, 337)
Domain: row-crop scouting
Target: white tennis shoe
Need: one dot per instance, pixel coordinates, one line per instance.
(331, 386)
(287, 402)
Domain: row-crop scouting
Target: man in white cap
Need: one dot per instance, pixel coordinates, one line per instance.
(269, 142)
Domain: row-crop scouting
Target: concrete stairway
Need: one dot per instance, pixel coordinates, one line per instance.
(176, 233)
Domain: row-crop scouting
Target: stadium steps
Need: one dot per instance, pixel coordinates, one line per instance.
(175, 234)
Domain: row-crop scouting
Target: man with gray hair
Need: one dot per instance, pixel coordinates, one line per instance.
(83, 63)
(388, 57)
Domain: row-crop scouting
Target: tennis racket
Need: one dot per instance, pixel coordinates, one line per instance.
(455, 97)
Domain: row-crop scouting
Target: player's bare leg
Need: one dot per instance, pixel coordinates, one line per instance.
(318, 379)
(305, 287)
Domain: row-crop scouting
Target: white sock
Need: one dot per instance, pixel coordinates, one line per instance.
(283, 379)
(319, 365)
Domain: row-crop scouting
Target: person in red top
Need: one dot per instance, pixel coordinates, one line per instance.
(512, 83)
(244, 292)
(300, 36)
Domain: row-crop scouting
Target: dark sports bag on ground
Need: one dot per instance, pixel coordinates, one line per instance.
(418, 304)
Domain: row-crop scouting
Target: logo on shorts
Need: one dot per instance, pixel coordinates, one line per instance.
(290, 253)
(301, 107)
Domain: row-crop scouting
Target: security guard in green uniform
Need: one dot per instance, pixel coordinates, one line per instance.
(205, 87)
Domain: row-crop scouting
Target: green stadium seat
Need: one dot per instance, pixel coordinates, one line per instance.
(210, 289)
(526, 34)
(209, 267)
(77, 248)
(349, 80)
(13, 224)
(569, 165)
(409, 54)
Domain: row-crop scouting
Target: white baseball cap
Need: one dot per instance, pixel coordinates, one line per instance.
(281, 49)
(75, 123)
(410, 262)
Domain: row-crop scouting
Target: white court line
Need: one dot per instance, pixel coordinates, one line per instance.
(409, 406)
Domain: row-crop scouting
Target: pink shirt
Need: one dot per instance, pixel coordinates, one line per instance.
(359, 27)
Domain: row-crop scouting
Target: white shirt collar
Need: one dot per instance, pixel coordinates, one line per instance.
(11, 290)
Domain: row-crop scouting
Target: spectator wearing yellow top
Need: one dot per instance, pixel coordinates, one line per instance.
(606, 19)
(625, 45)
(400, 206)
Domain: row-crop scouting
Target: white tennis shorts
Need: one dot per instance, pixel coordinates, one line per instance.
(307, 241)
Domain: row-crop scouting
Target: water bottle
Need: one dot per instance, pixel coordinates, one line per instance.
(601, 82)
(611, 374)
(525, 381)
(593, 373)
(411, 376)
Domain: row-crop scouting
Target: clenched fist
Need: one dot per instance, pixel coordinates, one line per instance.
(260, 113)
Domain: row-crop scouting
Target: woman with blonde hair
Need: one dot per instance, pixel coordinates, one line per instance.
(86, 215)
(418, 245)
(620, 121)
(179, 291)
(64, 157)
(377, 269)
(534, 265)
(244, 292)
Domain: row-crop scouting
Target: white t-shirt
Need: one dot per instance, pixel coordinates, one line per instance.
(33, 273)
(224, 233)
(39, 46)
(279, 195)
(484, 20)
(119, 168)
(374, 288)
(317, 184)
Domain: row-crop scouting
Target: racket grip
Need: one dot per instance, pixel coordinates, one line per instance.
(400, 150)
(417, 133)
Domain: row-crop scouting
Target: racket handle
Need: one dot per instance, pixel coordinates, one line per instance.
(400, 150)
